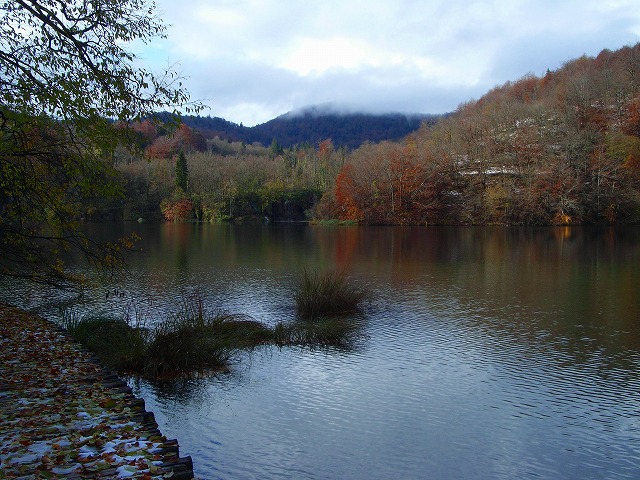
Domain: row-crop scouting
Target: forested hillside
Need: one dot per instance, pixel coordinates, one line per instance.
(563, 148)
(312, 125)
(349, 130)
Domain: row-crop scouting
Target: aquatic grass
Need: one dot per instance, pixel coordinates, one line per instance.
(332, 222)
(194, 339)
(118, 345)
(327, 293)
(184, 344)
(243, 332)
(177, 345)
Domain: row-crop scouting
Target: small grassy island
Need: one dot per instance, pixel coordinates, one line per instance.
(196, 340)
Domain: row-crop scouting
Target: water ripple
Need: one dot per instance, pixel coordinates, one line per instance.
(483, 359)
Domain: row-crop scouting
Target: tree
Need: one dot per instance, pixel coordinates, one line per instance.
(68, 84)
(182, 172)
(276, 148)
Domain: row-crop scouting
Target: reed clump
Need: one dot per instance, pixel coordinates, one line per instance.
(328, 293)
(118, 345)
(181, 345)
(190, 340)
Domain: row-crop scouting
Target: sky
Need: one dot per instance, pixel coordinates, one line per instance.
(252, 60)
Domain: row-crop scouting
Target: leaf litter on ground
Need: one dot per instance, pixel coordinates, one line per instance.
(58, 418)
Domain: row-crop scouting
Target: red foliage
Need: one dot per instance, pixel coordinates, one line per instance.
(632, 166)
(525, 89)
(183, 139)
(345, 193)
(325, 148)
(389, 185)
(176, 211)
(147, 129)
(163, 147)
(632, 121)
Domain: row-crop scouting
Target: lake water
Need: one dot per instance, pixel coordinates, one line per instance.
(486, 353)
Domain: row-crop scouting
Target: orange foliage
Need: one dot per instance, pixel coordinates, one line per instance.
(147, 129)
(562, 219)
(183, 139)
(345, 191)
(632, 123)
(525, 89)
(176, 211)
(162, 147)
(325, 148)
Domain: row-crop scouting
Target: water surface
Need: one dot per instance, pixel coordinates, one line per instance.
(487, 353)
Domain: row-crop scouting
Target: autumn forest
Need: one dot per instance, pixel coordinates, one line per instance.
(563, 148)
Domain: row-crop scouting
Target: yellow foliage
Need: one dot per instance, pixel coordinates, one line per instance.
(562, 218)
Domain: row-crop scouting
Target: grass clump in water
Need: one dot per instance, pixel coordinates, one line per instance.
(181, 345)
(118, 345)
(187, 343)
(328, 293)
(190, 340)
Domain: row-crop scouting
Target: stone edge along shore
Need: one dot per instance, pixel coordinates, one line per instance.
(63, 415)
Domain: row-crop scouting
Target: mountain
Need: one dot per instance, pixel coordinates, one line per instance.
(314, 124)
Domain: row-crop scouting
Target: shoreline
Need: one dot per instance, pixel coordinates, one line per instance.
(64, 415)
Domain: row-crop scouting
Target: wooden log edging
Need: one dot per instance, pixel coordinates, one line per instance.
(169, 450)
(64, 415)
(181, 468)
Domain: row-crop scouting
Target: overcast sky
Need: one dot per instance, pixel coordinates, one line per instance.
(252, 60)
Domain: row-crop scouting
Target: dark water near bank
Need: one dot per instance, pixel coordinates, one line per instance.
(487, 353)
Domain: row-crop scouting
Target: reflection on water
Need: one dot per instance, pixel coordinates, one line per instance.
(489, 352)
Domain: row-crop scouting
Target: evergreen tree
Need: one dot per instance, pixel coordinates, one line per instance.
(182, 172)
(276, 148)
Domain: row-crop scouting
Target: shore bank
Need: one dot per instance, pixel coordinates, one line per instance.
(63, 415)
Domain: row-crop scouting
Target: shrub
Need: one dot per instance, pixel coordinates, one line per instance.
(177, 211)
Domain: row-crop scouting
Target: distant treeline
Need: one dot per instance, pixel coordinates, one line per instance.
(313, 125)
(563, 148)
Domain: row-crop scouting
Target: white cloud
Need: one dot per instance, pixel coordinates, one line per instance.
(318, 55)
(255, 59)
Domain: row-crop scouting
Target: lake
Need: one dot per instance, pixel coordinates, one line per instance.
(486, 352)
